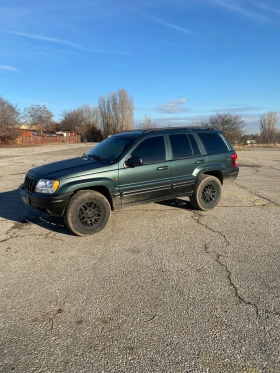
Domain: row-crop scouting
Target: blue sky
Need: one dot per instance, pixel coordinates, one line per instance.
(179, 59)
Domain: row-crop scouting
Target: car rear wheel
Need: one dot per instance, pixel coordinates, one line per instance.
(207, 193)
(87, 213)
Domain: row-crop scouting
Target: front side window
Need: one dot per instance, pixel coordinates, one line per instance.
(151, 150)
(213, 143)
(181, 147)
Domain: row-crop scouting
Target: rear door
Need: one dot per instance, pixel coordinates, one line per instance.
(150, 181)
(218, 151)
(187, 160)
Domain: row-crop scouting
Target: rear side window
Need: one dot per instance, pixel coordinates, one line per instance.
(151, 150)
(181, 147)
(195, 147)
(213, 143)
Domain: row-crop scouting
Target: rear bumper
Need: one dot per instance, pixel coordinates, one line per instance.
(230, 175)
(49, 203)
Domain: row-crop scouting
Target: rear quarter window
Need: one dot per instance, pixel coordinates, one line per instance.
(213, 143)
(195, 147)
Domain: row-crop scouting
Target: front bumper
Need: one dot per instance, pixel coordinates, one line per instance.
(53, 204)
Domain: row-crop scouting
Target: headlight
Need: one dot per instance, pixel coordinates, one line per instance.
(47, 186)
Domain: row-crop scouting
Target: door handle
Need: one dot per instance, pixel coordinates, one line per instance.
(162, 168)
(200, 161)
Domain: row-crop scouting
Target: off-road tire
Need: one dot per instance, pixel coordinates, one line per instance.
(207, 193)
(87, 212)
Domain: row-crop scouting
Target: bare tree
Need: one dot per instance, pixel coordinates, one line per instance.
(123, 110)
(268, 127)
(116, 112)
(278, 137)
(38, 116)
(9, 118)
(146, 124)
(199, 122)
(81, 120)
(232, 126)
(105, 115)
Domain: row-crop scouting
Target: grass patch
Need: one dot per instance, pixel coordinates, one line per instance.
(255, 146)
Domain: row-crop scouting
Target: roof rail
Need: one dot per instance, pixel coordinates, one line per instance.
(177, 128)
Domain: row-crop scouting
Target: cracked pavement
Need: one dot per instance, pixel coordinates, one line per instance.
(163, 288)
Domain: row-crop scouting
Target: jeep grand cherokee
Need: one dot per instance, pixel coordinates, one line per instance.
(133, 167)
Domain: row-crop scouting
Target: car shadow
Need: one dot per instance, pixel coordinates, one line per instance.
(177, 203)
(13, 209)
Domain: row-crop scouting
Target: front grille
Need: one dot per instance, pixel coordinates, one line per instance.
(30, 184)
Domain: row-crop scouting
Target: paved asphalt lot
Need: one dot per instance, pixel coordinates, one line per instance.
(163, 288)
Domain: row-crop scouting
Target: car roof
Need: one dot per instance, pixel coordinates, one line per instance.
(165, 130)
(173, 129)
(130, 133)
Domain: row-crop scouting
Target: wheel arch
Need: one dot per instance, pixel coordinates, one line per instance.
(216, 173)
(102, 189)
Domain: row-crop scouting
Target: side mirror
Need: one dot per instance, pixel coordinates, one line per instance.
(134, 162)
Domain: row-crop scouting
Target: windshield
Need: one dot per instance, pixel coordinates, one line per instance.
(112, 148)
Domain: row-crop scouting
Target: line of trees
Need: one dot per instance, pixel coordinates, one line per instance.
(83, 120)
(232, 126)
(115, 113)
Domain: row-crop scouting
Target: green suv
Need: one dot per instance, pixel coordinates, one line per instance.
(133, 167)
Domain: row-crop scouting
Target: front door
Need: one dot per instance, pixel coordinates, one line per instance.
(150, 181)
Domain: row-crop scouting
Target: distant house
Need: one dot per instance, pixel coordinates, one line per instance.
(26, 127)
(65, 133)
(29, 135)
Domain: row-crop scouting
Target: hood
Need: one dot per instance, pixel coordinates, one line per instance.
(56, 170)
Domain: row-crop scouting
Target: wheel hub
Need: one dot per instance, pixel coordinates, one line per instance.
(90, 214)
(209, 193)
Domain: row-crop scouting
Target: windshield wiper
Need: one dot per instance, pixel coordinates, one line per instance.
(98, 157)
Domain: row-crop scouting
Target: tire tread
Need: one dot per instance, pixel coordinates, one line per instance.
(69, 215)
(195, 198)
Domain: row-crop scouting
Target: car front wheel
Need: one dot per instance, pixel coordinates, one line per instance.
(87, 213)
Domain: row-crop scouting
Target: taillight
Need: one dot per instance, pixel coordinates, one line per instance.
(234, 160)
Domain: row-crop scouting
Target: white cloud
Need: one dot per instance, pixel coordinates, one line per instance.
(170, 25)
(46, 38)
(178, 102)
(269, 9)
(8, 68)
(173, 107)
(236, 108)
(236, 7)
(252, 121)
(67, 43)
